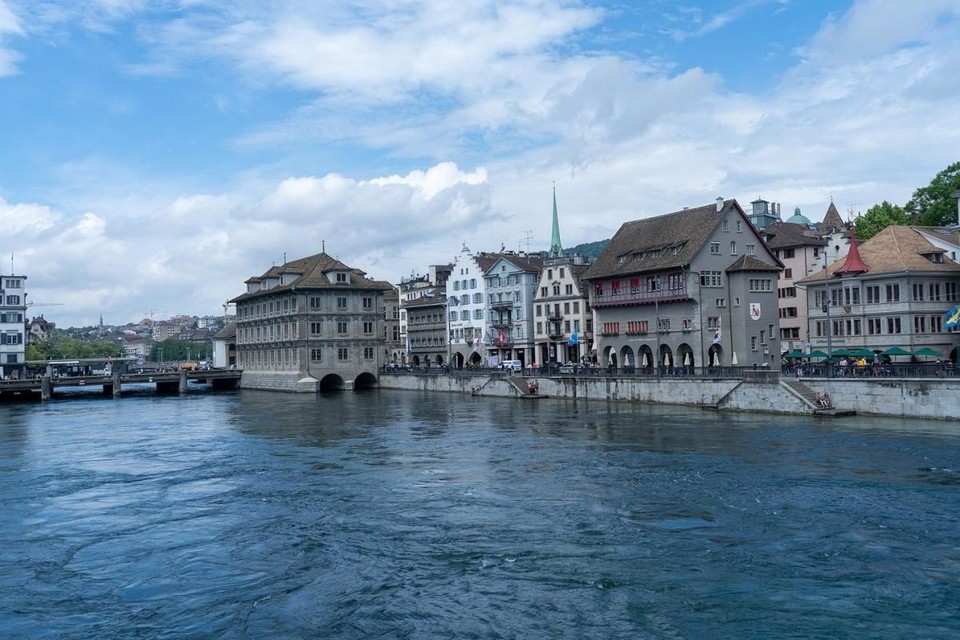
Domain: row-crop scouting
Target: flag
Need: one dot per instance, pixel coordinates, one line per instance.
(574, 338)
(501, 338)
(717, 337)
(951, 319)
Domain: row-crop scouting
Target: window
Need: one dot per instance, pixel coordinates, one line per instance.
(341, 277)
(758, 284)
(367, 327)
(343, 353)
(720, 302)
(750, 249)
(874, 326)
(568, 290)
(787, 254)
(787, 292)
(715, 248)
(739, 226)
(873, 294)
(341, 327)
(637, 327)
(537, 311)
(934, 292)
(919, 324)
(726, 227)
(13, 300)
(893, 294)
(733, 248)
(368, 353)
(368, 303)
(917, 292)
(316, 355)
(936, 324)
(316, 328)
(341, 303)
(787, 274)
(556, 288)
(663, 325)
(753, 343)
(893, 325)
(611, 328)
(711, 279)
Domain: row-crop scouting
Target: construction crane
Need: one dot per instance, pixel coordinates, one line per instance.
(44, 304)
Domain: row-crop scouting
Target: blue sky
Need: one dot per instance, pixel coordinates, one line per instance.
(156, 154)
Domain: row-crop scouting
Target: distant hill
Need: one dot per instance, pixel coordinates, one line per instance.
(588, 249)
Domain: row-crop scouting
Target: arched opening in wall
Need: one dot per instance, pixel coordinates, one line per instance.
(686, 357)
(667, 359)
(715, 356)
(645, 358)
(331, 382)
(416, 361)
(475, 359)
(365, 380)
(628, 359)
(458, 360)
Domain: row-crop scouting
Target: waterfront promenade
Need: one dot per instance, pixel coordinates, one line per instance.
(914, 391)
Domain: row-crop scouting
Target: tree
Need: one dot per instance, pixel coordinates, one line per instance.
(879, 217)
(935, 205)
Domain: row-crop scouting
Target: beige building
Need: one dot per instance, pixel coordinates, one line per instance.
(561, 312)
(891, 291)
(309, 324)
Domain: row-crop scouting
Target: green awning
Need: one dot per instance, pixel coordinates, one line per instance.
(816, 354)
(796, 353)
(927, 352)
(841, 352)
(896, 351)
(862, 352)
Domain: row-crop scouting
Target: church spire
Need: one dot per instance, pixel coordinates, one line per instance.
(556, 249)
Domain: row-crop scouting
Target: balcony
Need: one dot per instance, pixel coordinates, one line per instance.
(505, 324)
(502, 304)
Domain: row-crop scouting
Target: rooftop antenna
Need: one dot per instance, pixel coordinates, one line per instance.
(526, 236)
(323, 246)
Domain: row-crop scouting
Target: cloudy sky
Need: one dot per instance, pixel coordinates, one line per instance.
(154, 154)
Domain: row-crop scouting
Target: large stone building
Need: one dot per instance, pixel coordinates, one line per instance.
(892, 291)
(695, 287)
(562, 315)
(308, 324)
(13, 328)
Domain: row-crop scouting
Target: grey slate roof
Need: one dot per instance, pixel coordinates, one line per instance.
(310, 273)
(751, 263)
(663, 242)
(786, 235)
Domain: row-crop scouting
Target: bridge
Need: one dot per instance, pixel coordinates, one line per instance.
(45, 387)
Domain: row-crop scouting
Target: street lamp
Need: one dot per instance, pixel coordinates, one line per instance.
(656, 302)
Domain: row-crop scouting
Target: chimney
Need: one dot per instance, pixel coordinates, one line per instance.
(719, 204)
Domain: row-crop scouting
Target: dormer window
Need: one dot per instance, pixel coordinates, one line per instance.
(341, 277)
(936, 258)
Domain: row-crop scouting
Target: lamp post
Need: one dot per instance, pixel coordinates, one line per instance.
(826, 308)
(656, 303)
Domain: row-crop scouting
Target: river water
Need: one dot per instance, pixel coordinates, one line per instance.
(402, 515)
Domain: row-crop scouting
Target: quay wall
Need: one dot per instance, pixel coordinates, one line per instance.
(278, 381)
(914, 398)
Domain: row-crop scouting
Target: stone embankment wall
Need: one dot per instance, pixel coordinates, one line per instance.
(763, 392)
(278, 381)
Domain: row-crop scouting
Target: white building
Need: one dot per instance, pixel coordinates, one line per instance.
(13, 309)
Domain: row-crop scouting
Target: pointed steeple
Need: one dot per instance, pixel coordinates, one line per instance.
(556, 249)
(854, 264)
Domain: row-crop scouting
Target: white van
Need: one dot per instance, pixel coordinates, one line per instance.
(512, 365)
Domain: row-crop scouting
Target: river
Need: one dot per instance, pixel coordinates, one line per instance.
(389, 514)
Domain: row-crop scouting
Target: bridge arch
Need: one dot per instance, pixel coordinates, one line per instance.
(365, 380)
(331, 382)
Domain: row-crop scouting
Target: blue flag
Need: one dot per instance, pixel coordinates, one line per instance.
(574, 339)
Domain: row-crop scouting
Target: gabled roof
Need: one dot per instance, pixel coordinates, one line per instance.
(751, 263)
(786, 235)
(310, 273)
(896, 249)
(669, 241)
(528, 263)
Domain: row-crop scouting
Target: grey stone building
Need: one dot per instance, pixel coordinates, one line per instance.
(695, 287)
(308, 324)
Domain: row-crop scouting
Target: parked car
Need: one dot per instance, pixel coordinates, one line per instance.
(569, 367)
(512, 365)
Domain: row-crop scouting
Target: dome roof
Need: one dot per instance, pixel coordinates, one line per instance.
(798, 218)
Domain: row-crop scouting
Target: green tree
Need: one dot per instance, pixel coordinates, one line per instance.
(879, 217)
(935, 205)
(172, 349)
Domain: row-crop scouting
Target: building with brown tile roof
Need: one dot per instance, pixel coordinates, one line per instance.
(898, 301)
(563, 330)
(693, 287)
(310, 323)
